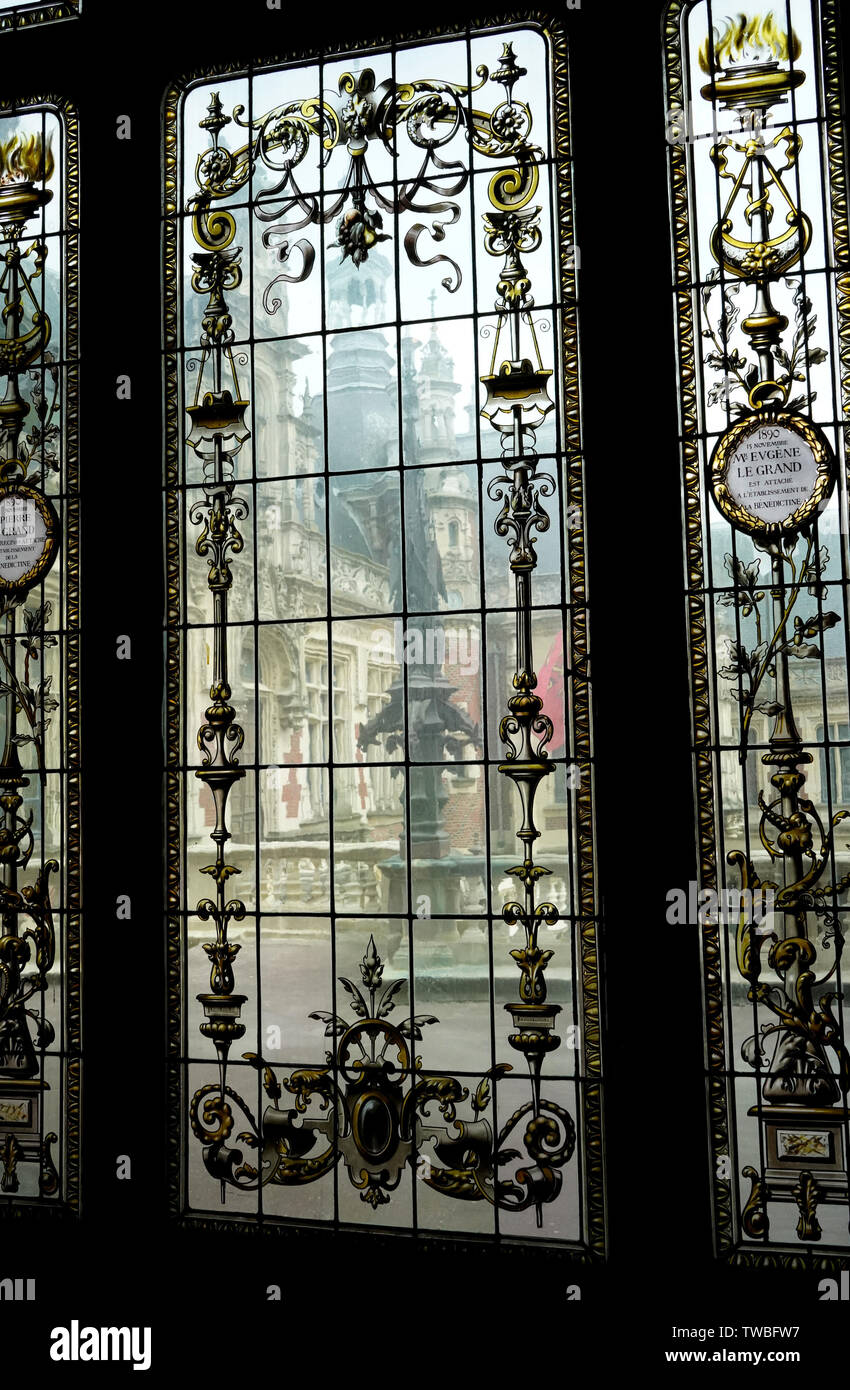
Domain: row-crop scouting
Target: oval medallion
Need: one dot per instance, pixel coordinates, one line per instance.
(771, 473)
(373, 1123)
(29, 536)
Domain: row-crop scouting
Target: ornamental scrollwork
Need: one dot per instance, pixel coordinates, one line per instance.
(30, 533)
(378, 1101)
(429, 113)
(771, 474)
(373, 1107)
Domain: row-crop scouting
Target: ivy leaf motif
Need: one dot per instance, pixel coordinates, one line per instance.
(745, 579)
(769, 707)
(743, 662)
(757, 656)
(743, 576)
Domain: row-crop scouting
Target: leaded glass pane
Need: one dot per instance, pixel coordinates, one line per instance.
(760, 220)
(39, 731)
(375, 538)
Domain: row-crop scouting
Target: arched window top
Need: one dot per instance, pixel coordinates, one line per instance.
(27, 14)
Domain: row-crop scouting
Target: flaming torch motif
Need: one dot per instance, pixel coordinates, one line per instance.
(799, 1110)
(748, 42)
(26, 160)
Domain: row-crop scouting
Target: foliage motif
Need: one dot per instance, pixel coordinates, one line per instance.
(748, 665)
(369, 1064)
(737, 372)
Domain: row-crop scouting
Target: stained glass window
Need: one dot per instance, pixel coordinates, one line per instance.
(383, 916)
(758, 180)
(39, 769)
